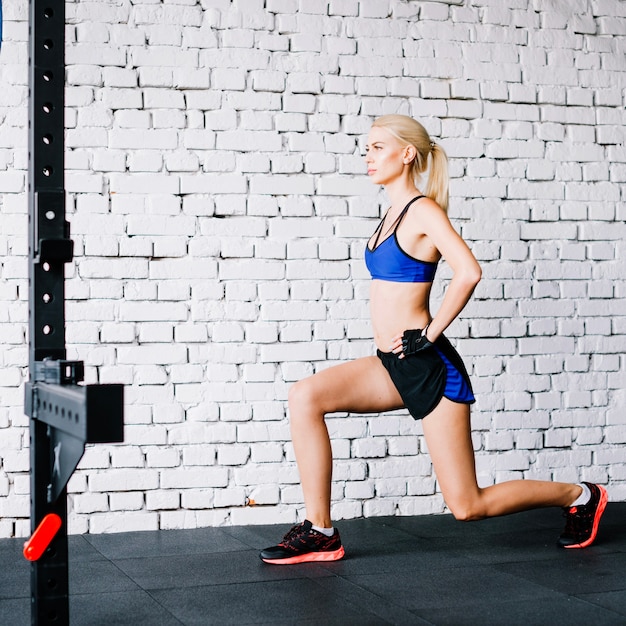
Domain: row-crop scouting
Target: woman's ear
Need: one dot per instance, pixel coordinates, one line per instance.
(409, 154)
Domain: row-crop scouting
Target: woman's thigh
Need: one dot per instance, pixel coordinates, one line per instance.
(359, 386)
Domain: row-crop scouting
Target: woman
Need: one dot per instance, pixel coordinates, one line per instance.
(415, 367)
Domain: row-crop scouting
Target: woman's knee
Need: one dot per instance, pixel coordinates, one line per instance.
(300, 394)
(466, 508)
(464, 514)
(304, 399)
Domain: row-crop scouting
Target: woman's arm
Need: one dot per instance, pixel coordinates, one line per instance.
(433, 222)
(465, 267)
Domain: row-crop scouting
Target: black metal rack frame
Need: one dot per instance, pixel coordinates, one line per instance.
(65, 415)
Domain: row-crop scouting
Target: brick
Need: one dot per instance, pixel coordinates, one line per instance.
(122, 522)
(124, 480)
(282, 185)
(309, 351)
(186, 478)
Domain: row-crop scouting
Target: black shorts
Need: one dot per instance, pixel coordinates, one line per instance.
(422, 379)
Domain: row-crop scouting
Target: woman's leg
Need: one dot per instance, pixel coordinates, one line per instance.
(360, 386)
(448, 436)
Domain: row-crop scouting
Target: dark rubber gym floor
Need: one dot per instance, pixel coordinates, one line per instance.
(397, 570)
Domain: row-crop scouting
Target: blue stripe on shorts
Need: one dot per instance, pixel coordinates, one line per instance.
(456, 388)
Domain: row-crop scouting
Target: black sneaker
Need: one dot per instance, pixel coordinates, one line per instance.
(582, 523)
(302, 544)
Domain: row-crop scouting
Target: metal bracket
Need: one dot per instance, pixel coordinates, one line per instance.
(76, 415)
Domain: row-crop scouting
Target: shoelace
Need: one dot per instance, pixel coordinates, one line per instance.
(295, 530)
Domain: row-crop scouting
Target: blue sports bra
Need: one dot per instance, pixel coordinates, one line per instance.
(388, 261)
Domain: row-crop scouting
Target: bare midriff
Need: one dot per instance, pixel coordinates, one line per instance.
(396, 307)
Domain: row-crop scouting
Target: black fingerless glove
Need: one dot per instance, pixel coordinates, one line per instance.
(414, 341)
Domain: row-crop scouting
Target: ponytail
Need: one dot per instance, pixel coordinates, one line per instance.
(438, 179)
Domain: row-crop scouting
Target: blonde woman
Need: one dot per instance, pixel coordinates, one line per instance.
(416, 366)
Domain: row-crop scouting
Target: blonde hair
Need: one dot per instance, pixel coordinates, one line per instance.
(411, 132)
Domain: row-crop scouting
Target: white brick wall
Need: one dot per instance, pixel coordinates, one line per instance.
(219, 207)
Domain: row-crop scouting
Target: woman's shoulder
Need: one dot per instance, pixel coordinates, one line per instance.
(425, 207)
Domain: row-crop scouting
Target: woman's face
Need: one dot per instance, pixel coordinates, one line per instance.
(385, 156)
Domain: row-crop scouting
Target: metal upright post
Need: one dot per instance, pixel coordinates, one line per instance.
(46, 198)
(64, 415)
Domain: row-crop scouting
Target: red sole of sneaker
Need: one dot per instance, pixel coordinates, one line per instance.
(596, 520)
(310, 557)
